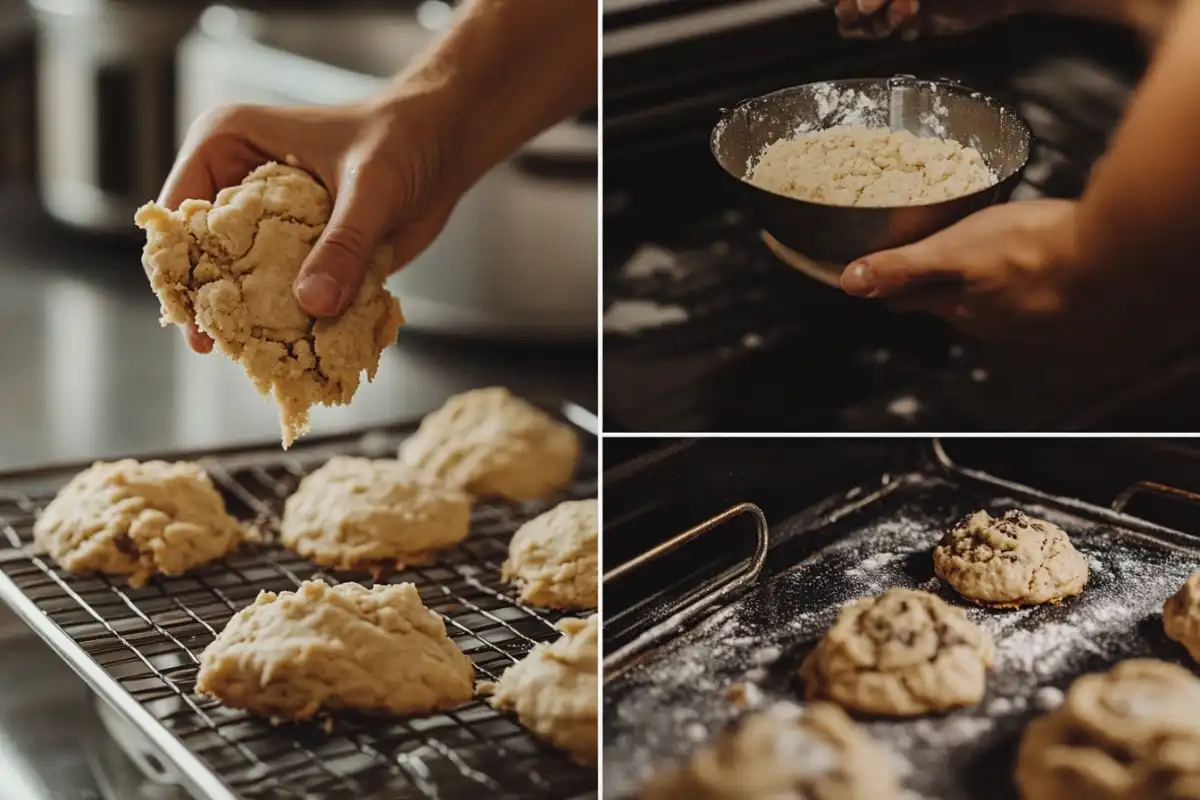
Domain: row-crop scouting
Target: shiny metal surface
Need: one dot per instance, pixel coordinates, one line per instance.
(45, 718)
(86, 371)
(839, 234)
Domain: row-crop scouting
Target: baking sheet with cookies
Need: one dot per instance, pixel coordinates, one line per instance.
(693, 686)
(139, 648)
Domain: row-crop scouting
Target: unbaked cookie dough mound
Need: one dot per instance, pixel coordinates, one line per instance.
(814, 752)
(322, 648)
(1181, 615)
(137, 519)
(230, 266)
(494, 444)
(1129, 734)
(553, 689)
(901, 654)
(870, 167)
(1010, 561)
(361, 513)
(554, 557)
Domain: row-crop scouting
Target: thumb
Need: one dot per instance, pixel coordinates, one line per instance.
(333, 271)
(890, 272)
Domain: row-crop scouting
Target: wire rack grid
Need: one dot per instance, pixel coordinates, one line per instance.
(148, 641)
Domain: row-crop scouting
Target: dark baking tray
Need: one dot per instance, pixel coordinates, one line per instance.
(139, 648)
(879, 534)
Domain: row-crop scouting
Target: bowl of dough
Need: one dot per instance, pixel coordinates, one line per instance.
(838, 169)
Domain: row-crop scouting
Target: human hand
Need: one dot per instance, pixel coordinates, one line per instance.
(386, 166)
(878, 19)
(1005, 273)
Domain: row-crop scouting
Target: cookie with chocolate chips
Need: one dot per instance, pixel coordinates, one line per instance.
(1010, 561)
(901, 654)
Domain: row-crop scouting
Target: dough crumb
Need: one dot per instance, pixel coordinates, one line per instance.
(870, 168)
(229, 265)
(553, 690)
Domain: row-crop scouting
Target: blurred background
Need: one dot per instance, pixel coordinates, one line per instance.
(94, 98)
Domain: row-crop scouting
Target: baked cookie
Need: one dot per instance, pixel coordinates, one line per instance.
(1010, 561)
(230, 266)
(554, 557)
(553, 689)
(137, 519)
(900, 654)
(494, 445)
(814, 752)
(1129, 734)
(362, 513)
(1181, 615)
(292, 654)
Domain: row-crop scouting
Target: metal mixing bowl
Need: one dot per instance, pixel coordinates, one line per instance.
(840, 234)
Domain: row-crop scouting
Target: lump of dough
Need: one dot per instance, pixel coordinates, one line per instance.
(292, 654)
(1181, 616)
(869, 167)
(787, 751)
(137, 519)
(230, 266)
(361, 513)
(1129, 734)
(553, 689)
(1010, 561)
(554, 557)
(901, 654)
(494, 445)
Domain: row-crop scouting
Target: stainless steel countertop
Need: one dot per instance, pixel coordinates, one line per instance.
(86, 371)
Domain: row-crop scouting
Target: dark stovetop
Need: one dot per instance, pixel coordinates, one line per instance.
(750, 344)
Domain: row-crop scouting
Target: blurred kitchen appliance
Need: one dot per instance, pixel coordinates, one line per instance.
(18, 104)
(517, 259)
(106, 103)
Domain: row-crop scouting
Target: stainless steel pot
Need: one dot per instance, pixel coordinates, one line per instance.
(106, 105)
(840, 234)
(517, 259)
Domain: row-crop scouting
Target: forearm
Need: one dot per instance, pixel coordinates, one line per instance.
(1136, 229)
(507, 70)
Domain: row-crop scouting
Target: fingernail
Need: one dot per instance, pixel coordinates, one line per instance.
(858, 280)
(319, 295)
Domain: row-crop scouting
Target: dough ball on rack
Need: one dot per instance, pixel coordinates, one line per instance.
(289, 655)
(137, 519)
(494, 444)
(554, 557)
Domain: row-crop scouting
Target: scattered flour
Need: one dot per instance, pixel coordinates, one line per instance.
(632, 316)
(650, 260)
(906, 407)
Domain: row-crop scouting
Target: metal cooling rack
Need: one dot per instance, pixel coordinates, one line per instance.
(139, 648)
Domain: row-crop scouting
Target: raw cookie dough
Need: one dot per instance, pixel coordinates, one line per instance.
(361, 513)
(1010, 561)
(321, 647)
(553, 689)
(494, 445)
(1129, 734)
(1181, 615)
(814, 752)
(901, 654)
(137, 519)
(230, 266)
(869, 167)
(554, 558)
